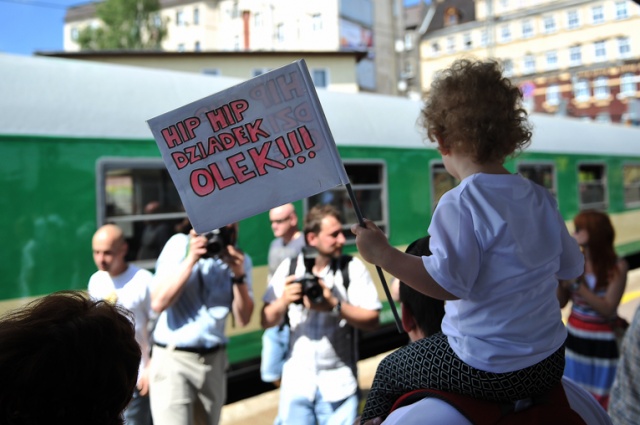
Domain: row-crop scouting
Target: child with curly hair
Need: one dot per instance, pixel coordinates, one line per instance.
(499, 248)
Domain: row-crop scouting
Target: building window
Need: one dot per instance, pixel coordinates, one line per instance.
(628, 84)
(624, 48)
(74, 33)
(258, 20)
(542, 174)
(527, 29)
(435, 49)
(573, 19)
(181, 47)
(507, 65)
(319, 77)
(197, 47)
(505, 34)
(466, 41)
(597, 14)
(369, 184)
(553, 94)
(575, 55)
(549, 24)
(441, 182)
(211, 71)
(581, 90)
(280, 33)
(631, 181)
(196, 16)
(316, 22)
(601, 87)
(484, 38)
(529, 64)
(621, 10)
(451, 16)
(600, 51)
(552, 59)
(451, 44)
(592, 186)
(179, 18)
(139, 196)
(408, 41)
(259, 71)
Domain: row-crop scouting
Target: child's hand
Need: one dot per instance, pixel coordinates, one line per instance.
(371, 242)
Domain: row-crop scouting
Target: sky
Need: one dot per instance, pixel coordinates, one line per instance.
(27, 26)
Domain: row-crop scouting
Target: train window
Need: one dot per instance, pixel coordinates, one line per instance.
(368, 182)
(631, 178)
(441, 182)
(542, 174)
(139, 196)
(592, 185)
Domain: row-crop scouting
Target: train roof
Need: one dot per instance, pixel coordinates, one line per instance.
(73, 98)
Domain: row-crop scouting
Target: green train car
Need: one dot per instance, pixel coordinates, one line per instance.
(77, 153)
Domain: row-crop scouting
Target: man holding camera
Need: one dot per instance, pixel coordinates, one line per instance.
(319, 378)
(199, 280)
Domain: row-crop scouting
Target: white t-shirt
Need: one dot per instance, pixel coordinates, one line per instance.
(435, 411)
(130, 290)
(499, 244)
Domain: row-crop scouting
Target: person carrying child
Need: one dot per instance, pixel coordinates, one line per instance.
(499, 248)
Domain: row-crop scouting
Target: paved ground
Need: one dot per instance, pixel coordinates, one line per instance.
(262, 409)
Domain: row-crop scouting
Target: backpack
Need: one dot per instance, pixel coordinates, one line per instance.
(551, 408)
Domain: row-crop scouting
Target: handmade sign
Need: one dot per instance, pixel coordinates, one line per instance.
(249, 148)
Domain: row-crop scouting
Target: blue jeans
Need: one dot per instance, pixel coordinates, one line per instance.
(301, 411)
(138, 412)
(275, 346)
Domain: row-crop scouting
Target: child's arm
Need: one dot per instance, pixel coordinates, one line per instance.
(375, 249)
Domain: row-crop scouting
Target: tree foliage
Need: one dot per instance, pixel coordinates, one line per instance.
(126, 25)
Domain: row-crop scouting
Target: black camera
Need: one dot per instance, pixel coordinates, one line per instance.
(218, 239)
(310, 285)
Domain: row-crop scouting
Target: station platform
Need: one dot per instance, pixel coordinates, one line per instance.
(262, 409)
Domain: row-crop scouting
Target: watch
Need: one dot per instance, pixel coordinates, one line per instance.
(337, 308)
(238, 279)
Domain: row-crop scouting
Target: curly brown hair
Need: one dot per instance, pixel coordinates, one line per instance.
(473, 109)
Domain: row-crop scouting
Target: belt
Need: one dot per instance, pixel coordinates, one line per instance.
(196, 350)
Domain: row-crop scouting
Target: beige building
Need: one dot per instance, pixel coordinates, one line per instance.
(370, 26)
(573, 57)
(335, 71)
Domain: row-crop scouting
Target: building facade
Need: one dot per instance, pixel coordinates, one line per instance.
(578, 58)
(369, 26)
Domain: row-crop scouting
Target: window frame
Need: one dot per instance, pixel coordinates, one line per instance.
(602, 182)
(573, 19)
(601, 88)
(127, 221)
(633, 186)
(537, 165)
(439, 165)
(597, 14)
(383, 186)
(575, 55)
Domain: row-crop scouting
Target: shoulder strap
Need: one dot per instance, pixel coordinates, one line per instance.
(344, 268)
(292, 265)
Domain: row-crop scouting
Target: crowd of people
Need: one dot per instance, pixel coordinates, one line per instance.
(481, 301)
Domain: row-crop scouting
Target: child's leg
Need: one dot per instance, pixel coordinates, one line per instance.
(431, 363)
